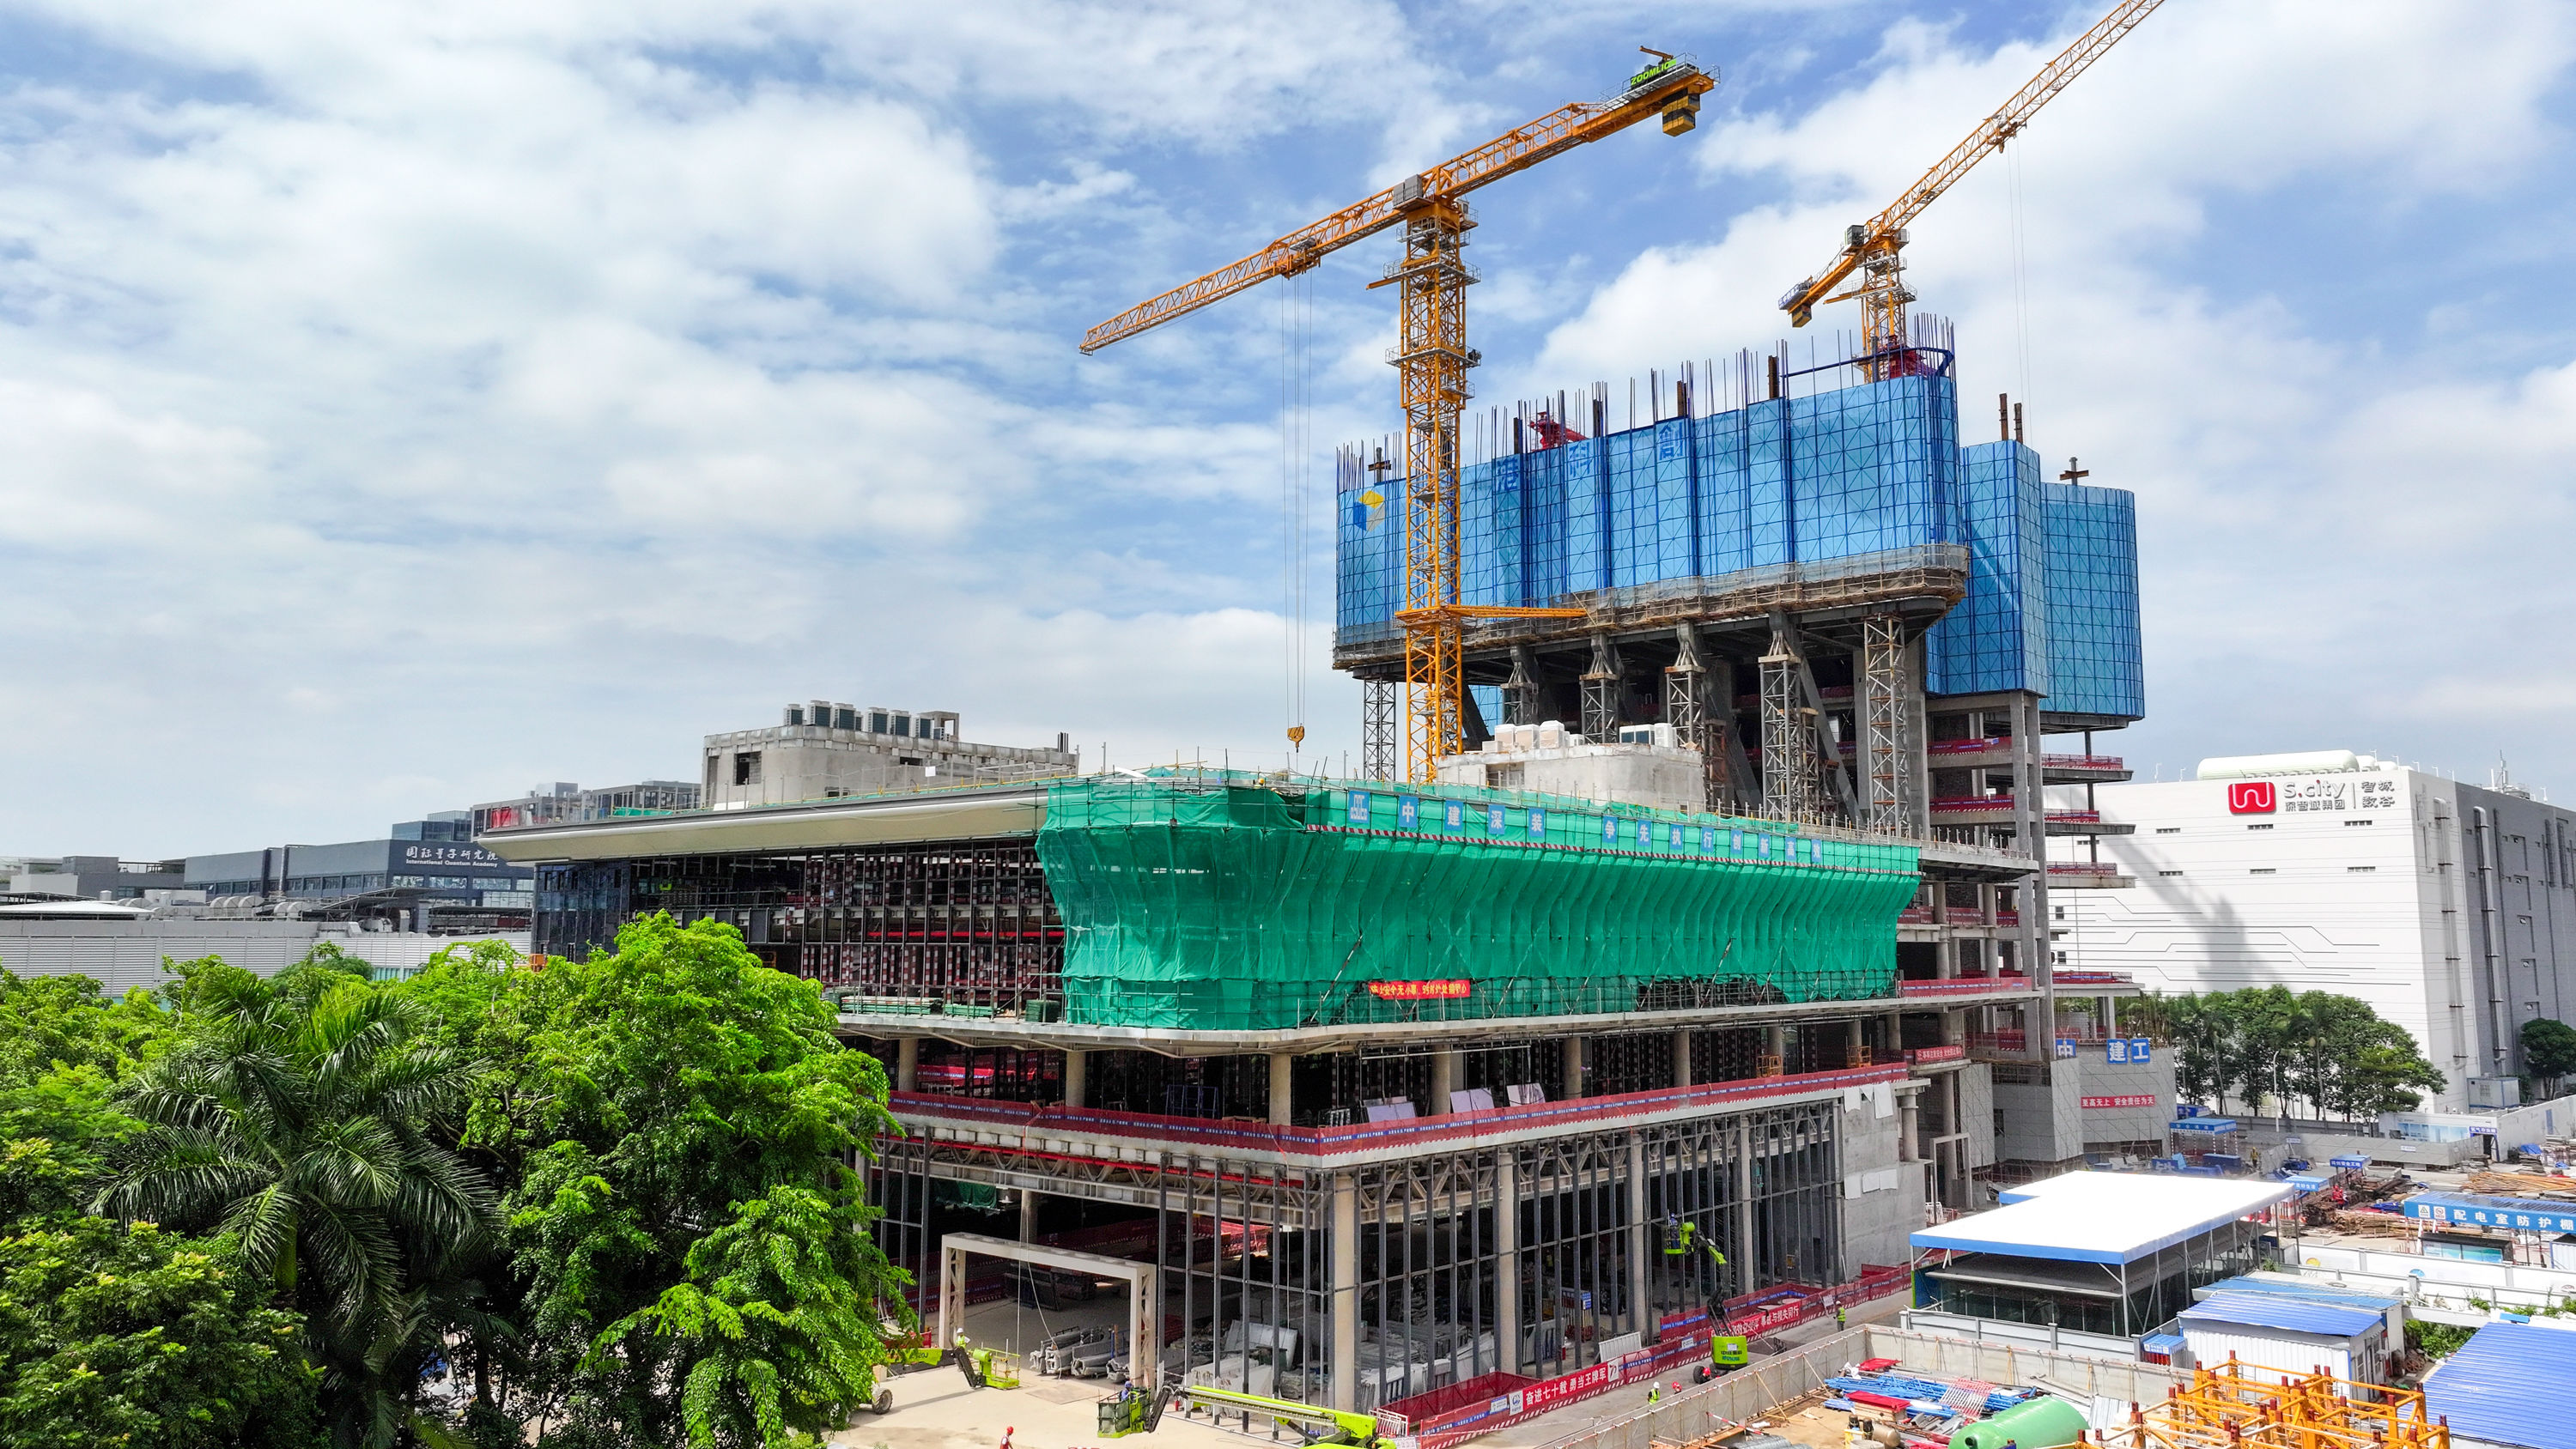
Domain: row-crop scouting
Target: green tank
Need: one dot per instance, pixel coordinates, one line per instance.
(2041, 1423)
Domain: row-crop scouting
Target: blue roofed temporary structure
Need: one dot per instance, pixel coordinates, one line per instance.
(2507, 1386)
(2293, 1315)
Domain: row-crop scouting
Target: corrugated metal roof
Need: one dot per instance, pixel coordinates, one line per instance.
(2319, 1292)
(2103, 1217)
(2291, 1315)
(2502, 1385)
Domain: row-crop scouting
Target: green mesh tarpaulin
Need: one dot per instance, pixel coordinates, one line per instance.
(1224, 903)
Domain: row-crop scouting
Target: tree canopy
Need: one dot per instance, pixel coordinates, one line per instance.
(2269, 1044)
(615, 1197)
(2548, 1049)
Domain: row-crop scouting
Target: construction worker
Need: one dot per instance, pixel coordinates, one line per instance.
(1654, 1393)
(1841, 1318)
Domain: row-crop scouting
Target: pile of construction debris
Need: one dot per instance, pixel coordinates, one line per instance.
(2522, 1184)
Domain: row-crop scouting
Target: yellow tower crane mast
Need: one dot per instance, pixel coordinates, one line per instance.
(1876, 248)
(1431, 359)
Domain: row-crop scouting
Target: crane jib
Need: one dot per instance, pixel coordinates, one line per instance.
(1567, 126)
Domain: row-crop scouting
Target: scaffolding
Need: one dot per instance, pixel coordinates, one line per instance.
(2237, 1406)
(1206, 901)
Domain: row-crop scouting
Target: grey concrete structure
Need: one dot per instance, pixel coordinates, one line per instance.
(823, 751)
(120, 954)
(91, 878)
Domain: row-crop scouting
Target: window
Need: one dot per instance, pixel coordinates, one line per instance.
(2360, 869)
(711, 772)
(2361, 822)
(746, 768)
(2168, 872)
(2168, 830)
(2266, 870)
(2258, 827)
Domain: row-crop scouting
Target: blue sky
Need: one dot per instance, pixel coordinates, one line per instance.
(409, 406)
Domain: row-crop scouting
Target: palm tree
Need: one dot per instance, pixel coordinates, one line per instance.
(297, 1115)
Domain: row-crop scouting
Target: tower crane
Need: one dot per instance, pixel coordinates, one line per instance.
(1431, 359)
(1876, 248)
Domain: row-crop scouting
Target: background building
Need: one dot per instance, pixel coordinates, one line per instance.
(88, 878)
(426, 874)
(123, 946)
(824, 751)
(2449, 907)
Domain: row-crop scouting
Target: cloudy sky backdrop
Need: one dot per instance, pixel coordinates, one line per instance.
(405, 404)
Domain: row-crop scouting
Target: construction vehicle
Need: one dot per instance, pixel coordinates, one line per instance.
(1431, 360)
(1136, 1410)
(1682, 1239)
(1876, 248)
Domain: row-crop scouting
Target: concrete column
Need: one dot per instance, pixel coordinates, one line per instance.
(907, 1064)
(1641, 1240)
(1775, 1043)
(1573, 1067)
(1954, 1031)
(1344, 1356)
(2111, 1015)
(1907, 1127)
(1077, 1077)
(1028, 1216)
(1444, 1081)
(1282, 1103)
(1745, 1259)
(1507, 1261)
(1851, 1041)
(1682, 1059)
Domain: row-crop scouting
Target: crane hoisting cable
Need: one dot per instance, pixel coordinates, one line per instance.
(1431, 360)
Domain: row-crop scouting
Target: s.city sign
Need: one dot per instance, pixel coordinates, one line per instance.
(2339, 794)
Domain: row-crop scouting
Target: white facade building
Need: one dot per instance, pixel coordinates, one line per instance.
(2450, 908)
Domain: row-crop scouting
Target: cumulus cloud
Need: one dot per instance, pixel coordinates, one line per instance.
(408, 404)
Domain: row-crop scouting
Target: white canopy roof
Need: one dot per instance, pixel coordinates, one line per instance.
(2103, 1217)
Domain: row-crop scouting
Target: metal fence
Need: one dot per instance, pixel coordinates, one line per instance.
(1752, 1392)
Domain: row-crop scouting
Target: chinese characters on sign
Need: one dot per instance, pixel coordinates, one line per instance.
(1418, 990)
(2141, 1099)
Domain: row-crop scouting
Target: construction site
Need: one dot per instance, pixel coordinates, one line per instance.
(1681, 946)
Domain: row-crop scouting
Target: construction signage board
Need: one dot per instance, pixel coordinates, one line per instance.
(2134, 1099)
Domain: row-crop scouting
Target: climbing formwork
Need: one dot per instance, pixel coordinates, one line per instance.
(2240, 1406)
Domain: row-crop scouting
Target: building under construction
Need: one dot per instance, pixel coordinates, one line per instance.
(1371, 1089)
(1390, 1089)
(1794, 592)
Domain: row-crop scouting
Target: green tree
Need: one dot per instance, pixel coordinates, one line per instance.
(692, 1249)
(117, 1335)
(2548, 1050)
(299, 1115)
(2331, 1051)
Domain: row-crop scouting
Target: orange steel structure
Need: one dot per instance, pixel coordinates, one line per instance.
(1432, 357)
(2240, 1406)
(1876, 248)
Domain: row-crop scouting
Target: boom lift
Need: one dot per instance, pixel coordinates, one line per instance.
(1876, 248)
(1726, 1352)
(1135, 1411)
(1432, 357)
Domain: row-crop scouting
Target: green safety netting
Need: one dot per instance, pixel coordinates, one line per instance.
(1233, 902)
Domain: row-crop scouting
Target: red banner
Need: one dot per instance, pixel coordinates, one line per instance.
(1564, 1388)
(2147, 1099)
(1936, 1054)
(1418, 990)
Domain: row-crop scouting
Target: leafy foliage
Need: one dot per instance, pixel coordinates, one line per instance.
(300, 1116)
(614, 1192)
(2548, 1049)
(664, 1111)
(2267, 1043)
(115, 1335)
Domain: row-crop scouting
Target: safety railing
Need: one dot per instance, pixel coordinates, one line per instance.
(1406, 1133)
